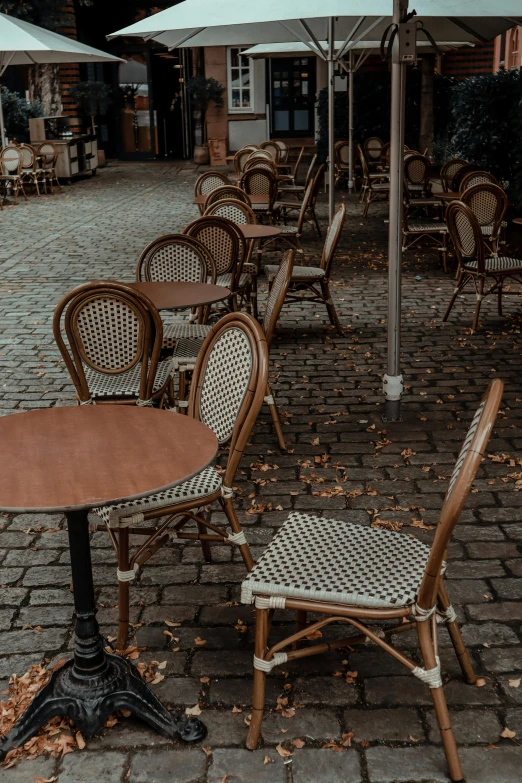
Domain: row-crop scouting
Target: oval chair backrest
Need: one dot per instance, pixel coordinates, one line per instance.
(461, 481)
(284, 150)
(317, 183)
(477, 178)
(110, 329)
(209, 181)
(226, 192)
(28, 157)
(364, 165)
(229, 380)
(48, 155)
(240, 158)
(465, 233)
(11, 159)
(277, 294)
(273, 149)
(220, 237)
(332, 240)
(236, 211)
(342, 152)
(488, 202)
(310, 171)
(462, 173)
(175, 258)
(261, 164)
(448, 171)
(259, 182)
(416, 169)
(304, 207)
(372, 148)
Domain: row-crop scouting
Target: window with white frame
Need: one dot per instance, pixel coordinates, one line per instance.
(240, 73)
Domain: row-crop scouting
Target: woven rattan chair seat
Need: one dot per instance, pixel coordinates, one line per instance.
(299, 272)
(126, 384)
(501, 264)
(250, 268)
(226, 280)
(424, 227)
(184, 331)
(203, 485)
(488, 230)
(381, 186)
(425, 202)
(338, 562)
(288, 229)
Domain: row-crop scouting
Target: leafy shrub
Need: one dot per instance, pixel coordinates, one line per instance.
(17, 113)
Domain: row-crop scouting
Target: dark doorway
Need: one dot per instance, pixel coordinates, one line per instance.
(292, 96)
(166, 74)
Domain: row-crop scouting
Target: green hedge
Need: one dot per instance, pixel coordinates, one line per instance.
(17, 112)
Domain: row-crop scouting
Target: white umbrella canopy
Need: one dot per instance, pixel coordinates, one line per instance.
(292, 48)
(238, 22)
(23, 43)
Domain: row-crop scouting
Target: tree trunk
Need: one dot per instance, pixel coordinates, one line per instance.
(426, 104)
(44, 85)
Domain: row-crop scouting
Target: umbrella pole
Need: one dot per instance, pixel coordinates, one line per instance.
(2, 130)
(331, 119)
(393, 382)
(350, 121)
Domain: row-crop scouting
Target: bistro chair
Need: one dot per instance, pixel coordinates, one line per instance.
(291, 235)
(342, 161)
(415, 230)
(47, 155)
(187, 349)
(11, 163)
(262, 163)
(299, 190)
(285, 208)
(227, 392)
(241, 157)
(261, 182)
(226, 245)
(448, 171)
(373, 186)
(489, 204)
(110, 338)
(315, 280)
(360, 575)
(416, 174)
(241, 214)
(177, 258)
(226, 192)
(477, 178)
(274, 149)
(32, 173)
(462, 173)
(475, 264)
(208, 182)
(284, 151)
(373, 149)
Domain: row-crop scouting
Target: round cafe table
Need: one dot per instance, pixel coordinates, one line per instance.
(260, 200)
(517, 221)
(71, 460)
(178, 296)
(258, 231)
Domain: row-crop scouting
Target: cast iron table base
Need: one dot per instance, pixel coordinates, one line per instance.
(94, 684)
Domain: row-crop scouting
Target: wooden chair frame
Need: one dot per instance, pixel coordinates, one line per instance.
(226, 192)
(476, 178)
(448, 171)
(490, 217)
(32, 174)
(299, 190)
(373, 149)
(11, 170)
(147, 354)
(261, 181)
(413, 232)
(373, 185)
(47, 153)
(215, 177)
(193, 510)
(285, 208)
(468, 241)
(306, 283)
(274, 149)
(342, 161)
(432, 601)
(462, 173)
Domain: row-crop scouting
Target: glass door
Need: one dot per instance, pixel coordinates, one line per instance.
(292, 96)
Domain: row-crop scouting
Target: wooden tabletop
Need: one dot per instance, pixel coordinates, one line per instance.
(261, 199)
(518, 221)
(79, 457)
(450, 195)
(177, 296)
(257, 231)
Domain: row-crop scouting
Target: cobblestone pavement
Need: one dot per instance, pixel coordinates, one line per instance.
(328, 389)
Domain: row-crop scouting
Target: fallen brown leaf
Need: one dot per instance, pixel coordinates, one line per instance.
(283, 752)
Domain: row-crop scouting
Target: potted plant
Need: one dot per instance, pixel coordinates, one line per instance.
(203, 91)
(93, 98)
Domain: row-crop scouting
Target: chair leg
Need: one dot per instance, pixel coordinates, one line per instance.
(457, 640)
(480, 296)
(253, 295)
(272, 407)
(439, 703)
(205, 545)
(123, 589)
(500, 298)
(228, 507)
(300, 625)
(458, 288)
(332, 312)
(258, 691)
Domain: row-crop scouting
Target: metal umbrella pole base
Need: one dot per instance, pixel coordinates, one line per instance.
(94, 684)
(393, 388)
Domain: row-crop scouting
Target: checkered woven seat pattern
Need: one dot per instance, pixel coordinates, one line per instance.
(186, 352)
(488, 230)
(500, 264)
(226, 279)
(440, 228)
(250, 268)
(465, 447)
(125, 384)
(202, 485)
(425, 202)
(339, 562)
(381, 186)
(299, 272)
(184, 331)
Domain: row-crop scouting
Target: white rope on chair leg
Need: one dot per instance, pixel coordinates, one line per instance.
(448, 615)
(269, 399)
(127, 576)
(227, 492)
(421, 615)
(431, 677)
(237, 538)
(267, 666)
(115, 521)
(272, 602)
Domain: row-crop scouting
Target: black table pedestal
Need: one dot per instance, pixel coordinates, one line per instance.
(94, 684)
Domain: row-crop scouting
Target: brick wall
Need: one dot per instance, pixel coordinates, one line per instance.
(468, 61)
(69, 73)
